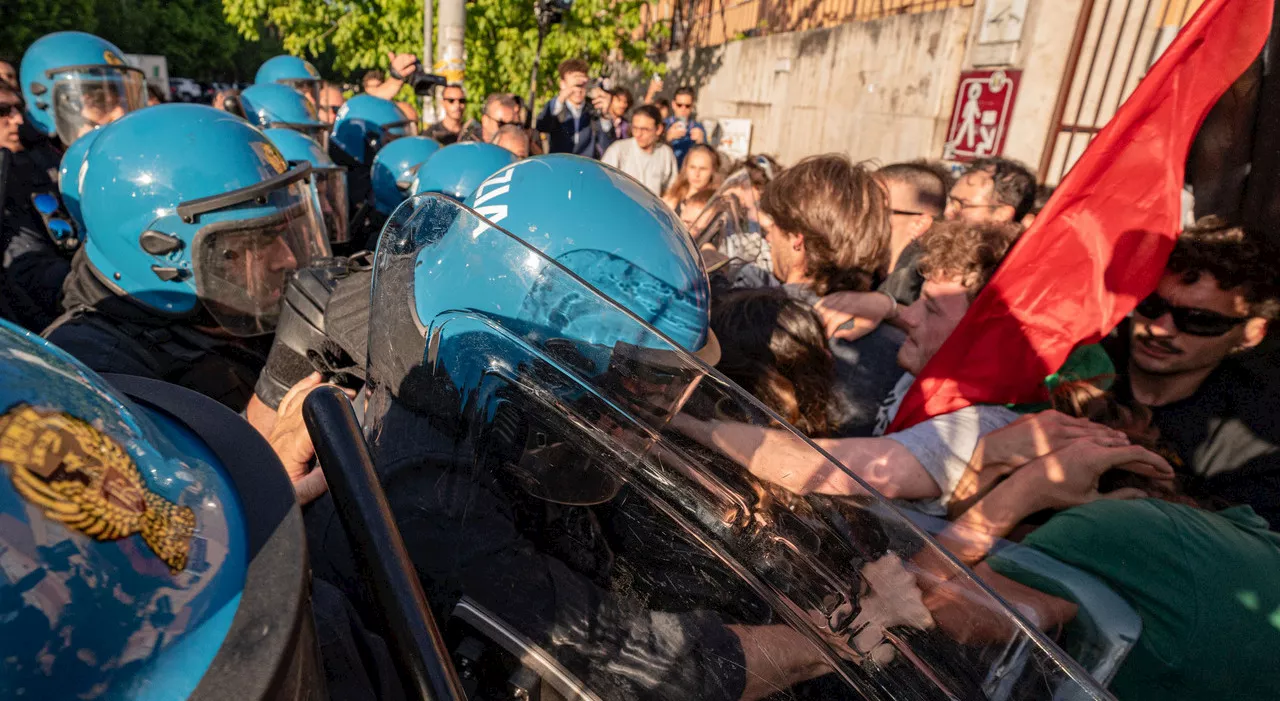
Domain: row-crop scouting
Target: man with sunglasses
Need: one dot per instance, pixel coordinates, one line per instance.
(450, 128)
(500, 110)
(683, 131)
(1180, 353)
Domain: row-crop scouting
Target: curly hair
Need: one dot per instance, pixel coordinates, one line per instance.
(842, 212)
(1235, 257)
(965, 250)
(774, 347)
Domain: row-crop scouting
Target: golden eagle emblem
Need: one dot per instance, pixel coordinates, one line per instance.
(87, 481)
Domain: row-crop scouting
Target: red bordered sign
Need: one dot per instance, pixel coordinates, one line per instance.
(980, 120)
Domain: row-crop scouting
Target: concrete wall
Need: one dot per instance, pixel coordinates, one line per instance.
(881, 89)
(884, 89)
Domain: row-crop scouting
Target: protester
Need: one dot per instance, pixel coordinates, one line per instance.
(921, 465)
(35, 260)
(620, 103)
(8, 74)
(372, 80)
(700, 171)
(1191, 573)
(992, 190)
(453, 124)
(1177, 356)
(500, 110)
(571, 123)
(154, 96)
(694, 205)
(683, 130)
(515, 139)
(331, 100)
(644, 156)
(917, 198)
(773, 347)
(664, 107)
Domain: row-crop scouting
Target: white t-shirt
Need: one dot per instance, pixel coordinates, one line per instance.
(655, 170)
(943, 444)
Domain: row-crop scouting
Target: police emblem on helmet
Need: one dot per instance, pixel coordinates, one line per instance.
(271, 155)
(112, 59)
(87, 481)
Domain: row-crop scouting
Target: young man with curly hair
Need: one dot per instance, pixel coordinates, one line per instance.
(1178, 356)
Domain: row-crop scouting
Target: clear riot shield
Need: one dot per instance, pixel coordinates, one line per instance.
(583, 522)
(730, 225)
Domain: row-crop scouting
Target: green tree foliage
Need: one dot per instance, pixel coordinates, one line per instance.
(191, 34)
(501, 36)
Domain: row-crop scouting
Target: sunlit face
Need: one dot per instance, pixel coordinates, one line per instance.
(514, 143)
(574, 87)
(8, 75)
(619, 105)
(645, 131)
(682, 106)
(942, 304)
(454, 102)
(699, 168)
(1158, 347)
(973, 199)
(785, 249)
(331, 101)
(494, 118)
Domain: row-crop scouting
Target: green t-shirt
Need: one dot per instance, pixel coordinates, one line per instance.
(1206, 585)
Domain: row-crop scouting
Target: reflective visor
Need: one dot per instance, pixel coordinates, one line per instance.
(331, 192)
(241, 265)
(87, 97)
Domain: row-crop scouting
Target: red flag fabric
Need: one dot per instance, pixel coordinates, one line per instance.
(1100, 244)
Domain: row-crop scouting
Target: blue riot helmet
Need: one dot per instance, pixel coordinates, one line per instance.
(328, 179)
(270, 105)
(395, 168)
(458, 169)
(73, 161)
(293, 72)
(148, 538)
(194, 211)
(366, 123)
(74, 82)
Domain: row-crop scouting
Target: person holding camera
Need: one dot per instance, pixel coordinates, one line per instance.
(571, 123)
(683, 131)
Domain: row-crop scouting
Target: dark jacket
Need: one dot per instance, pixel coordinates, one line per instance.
(34, 266)
(584, 136)
(110, 333)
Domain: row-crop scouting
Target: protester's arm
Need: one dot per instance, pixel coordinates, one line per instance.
(698, 133)
(852, 315)
(780, 457)
(401, 65)
(655, 87)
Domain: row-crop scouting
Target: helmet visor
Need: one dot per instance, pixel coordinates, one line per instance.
(307, 87)
(331, 192)
(507, 381)
(241, 265)
(86, 98)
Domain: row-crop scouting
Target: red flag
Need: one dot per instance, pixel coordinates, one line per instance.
(1100, 244)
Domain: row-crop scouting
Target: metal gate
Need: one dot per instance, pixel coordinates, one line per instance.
(1116, 41)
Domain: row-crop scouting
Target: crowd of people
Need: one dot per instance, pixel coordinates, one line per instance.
(161, 242)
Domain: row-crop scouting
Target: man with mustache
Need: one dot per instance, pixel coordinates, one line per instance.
(1179, 356)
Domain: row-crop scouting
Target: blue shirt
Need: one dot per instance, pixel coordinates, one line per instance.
(682, 145)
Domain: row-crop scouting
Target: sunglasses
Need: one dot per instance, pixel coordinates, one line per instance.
(683, 105)
(9, 108)
(499, 121)
(1191, 321)
(906, 213)
(459, 100)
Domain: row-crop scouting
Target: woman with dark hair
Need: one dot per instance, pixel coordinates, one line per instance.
(701, 171)
(773, 347)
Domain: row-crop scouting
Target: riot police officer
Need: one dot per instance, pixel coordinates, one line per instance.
(293, 72)
(395, 167)
(274, 105)
(152, 549)
(458, 169)
(195, 222)
(363, 126)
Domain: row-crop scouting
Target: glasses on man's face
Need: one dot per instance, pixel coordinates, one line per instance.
(961, 204)
(684, 105)
(9, 108)
(1189, 320)
(906, 213)
(456, 100)
(501, 123)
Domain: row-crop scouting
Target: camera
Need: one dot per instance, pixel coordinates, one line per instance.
(420, 81)
(549, 12)
(323, 327)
